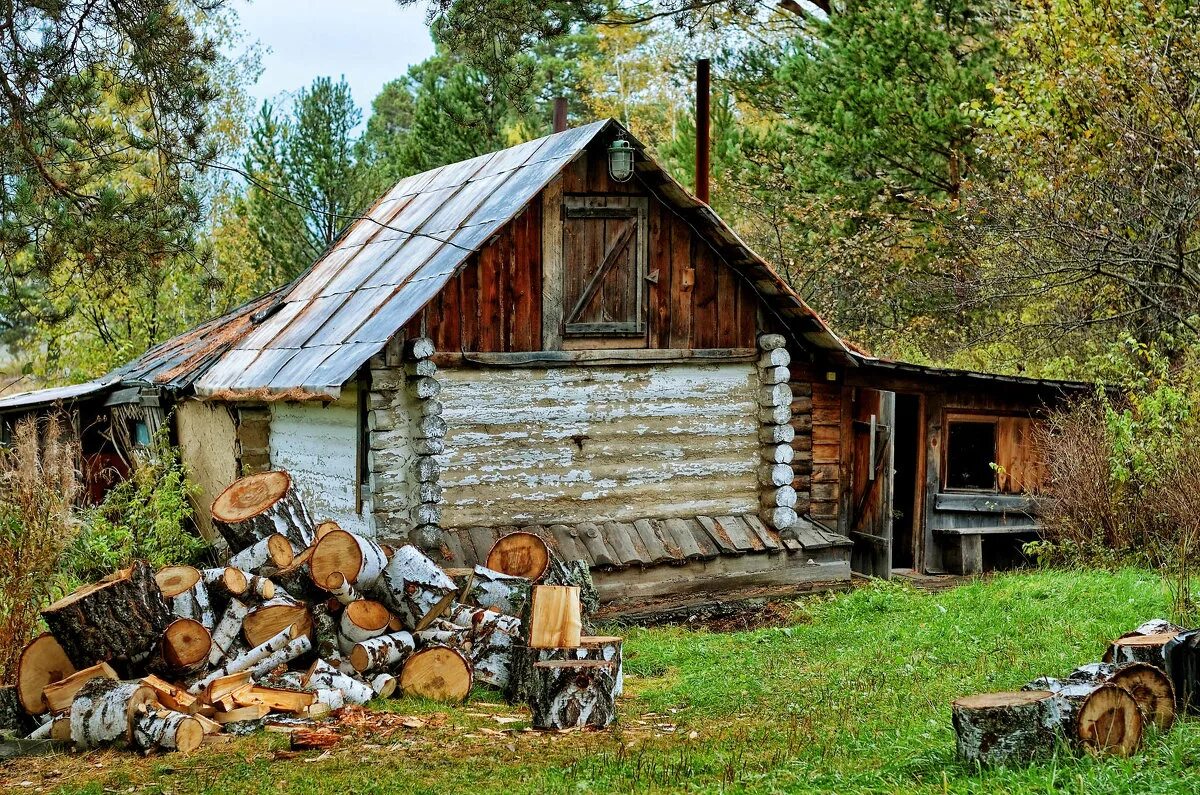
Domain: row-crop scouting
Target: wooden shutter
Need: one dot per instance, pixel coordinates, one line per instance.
(604, 266)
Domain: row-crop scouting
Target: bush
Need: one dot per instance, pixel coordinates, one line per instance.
(147, 517)
(39, 482)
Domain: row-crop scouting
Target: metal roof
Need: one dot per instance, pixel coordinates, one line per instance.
(58, 394)
(877, 363)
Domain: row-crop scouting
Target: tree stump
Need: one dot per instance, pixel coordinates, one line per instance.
(163, 728)
(359, 560)
(439, 673)
(256, 506)
(569, 694)
(384, 652)
(1150, 687)
(603, 648)
(1182, 655)
(519, 554)
(104, 710)
(1005, 728)
(42, 662)
(414, 588)
(1100, 717)
(118, 620)
(184, 588)
(1139, 648)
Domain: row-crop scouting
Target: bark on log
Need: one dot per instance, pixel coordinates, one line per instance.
(42, 662)
(184, 588)
(384, 685)
(494, 590)
(323, 676)
(1004, 728)
(341, 589)
(445, 633)
(382, 652)
(325, 630)
(1182, 655)
(605, 648)
(439, 673)
(520, 554)
(103, 711)
(256, 506)
(359, 560)
(117, 620)
(360, 621)
(492, 636)
(13, 716)
(1149, 685)
(571, 694)
(578, 574)
(1139, 648)
(228, 630)
(274, 550)
(278, 647)
(224, 583)
(166, 729)
(414, 588)
(1100, 717)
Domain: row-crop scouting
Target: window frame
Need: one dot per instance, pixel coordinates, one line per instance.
(952, 418)
(637, 208)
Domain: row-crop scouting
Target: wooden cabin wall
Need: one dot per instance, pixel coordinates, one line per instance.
(817, 418)
(495, 303)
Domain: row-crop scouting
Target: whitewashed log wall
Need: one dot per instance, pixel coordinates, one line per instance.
(317, 445)
(589, 444)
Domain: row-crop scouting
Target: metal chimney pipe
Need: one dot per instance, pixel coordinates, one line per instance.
(702, 128)
(560, 114)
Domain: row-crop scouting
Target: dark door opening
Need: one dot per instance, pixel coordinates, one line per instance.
(905, 518)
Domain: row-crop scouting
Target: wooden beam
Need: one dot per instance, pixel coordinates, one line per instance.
(593, 357)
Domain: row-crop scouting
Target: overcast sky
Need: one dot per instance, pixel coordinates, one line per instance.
(368, 41)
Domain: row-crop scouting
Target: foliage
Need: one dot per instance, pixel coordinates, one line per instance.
(851, 696)
(146, 517)
(39, 482)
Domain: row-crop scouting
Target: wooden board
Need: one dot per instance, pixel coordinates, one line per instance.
(555, 617)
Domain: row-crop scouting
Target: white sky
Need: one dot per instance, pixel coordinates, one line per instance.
(368, 41)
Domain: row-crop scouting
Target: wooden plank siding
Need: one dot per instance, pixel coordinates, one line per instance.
(694, 300)
(818, 443)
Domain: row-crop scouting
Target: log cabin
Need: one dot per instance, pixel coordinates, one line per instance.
(558, 337)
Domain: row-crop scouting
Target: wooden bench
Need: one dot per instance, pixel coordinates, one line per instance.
(963, 554)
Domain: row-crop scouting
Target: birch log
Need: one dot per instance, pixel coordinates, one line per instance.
(229, 628)
(520, 554)
(1149, 685)
(266, 620)
(118, 620)
(1004, 728)
(166, 729)
(359, 560)
(184, 588)
(439, 673)
(360, 621)
(414, 588)
(341, 589)
(570, 694)
(323, 676)
(1100, 717)
(382, 652)
(384, 685)
(103, 711)
(247, 660)
(1139, 648)
(274, 550)
(494, 590)
(492, 636)
(256, 506)
(185, 647)
(603, 648)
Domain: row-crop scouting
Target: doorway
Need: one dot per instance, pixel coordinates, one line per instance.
(906, 512)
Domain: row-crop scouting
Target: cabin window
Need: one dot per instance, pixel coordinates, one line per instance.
(970, 453)
(139, 432)
(604, 266)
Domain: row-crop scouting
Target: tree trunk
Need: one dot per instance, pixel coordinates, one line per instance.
(568, 694)
(1183, 667)
(1139, 648)
(439, 673)
(494, 590)
(1150, 687)
(492, 636)
(602, 648)
(554, 617)
(360, 621)
(256, 506)
(163, 728)
(184, 588)
(383, 652)
(414, 588)
(225, 636)
(118, 620)
(41, 663)
(103, 711)
(359, 560)
(520, 554)
(1100, 717)
(1005, 728)
(13, 716)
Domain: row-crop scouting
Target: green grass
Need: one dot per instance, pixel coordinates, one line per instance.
(851, 697)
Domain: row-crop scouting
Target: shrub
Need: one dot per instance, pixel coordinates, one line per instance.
(39, 482)
(146, 517)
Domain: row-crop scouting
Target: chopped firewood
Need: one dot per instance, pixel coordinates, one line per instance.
(343, 591)
(210, 726)
(359, 560)
(520, 554)
(278, 700)
(60, 694)
(361, 620)
(256, 506)
(439, 673)
(414, 588)
(266, 620)
(238, 714)
(225, 636)
(314, 739)
(42, 662)
(185, 646)
(555, 617)
(185, 589)
(104, 710)
(164, 728)
(171, 696)
(221, 687)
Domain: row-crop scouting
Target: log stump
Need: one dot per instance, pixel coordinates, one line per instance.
(359, 560)
(519, 554)
(42, 662)
(1150, 687)
(604, 648)
(256, 506)
(1005, 728)
(1102, 718)
(1136, 647)
(118, 620)
(414, 588)
(571, 694)
(439, 673)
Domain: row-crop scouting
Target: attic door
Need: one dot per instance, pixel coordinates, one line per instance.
(604, 266)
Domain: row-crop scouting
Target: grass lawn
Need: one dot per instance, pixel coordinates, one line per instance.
(850, 695)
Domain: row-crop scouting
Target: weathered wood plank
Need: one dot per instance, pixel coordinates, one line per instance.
(621, 538)
(756, 526)
(593, 538)
(656, 550)
(552, 269)
(718, 536)
(569, 543)
(742, 536)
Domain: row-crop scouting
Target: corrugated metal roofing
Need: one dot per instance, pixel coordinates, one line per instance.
(58, 394)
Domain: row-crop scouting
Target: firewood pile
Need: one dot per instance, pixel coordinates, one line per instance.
(1146, 676)
(305, 620)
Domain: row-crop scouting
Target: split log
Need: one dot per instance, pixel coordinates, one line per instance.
(520, 554)
(184, 588)
(494, 590)
(1139, 648)
(555, 618)
(341, 589)
(439, 673)
(274, 698)
(104, 710)
(360, 621)
(1004, 728)
(492, 637)
(384, 685)
(185, 647)
(445, 633)
(223, 687)
(166, 729)
(266, 620)
(117, 620)
(229, 628)
(578, 574)
(171, 696)
(323, 676)
(59, 695)
(569, 694)
(256, 506)
(42, 662)
(1148, 684)
(359, 560)
(1182, 655)
(1102, 718)
(414, 588)
(385, 651)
